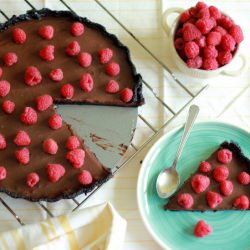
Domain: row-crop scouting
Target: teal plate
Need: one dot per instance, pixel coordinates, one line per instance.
(174, 230)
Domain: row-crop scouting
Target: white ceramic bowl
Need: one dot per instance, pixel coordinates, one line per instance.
(170, 28)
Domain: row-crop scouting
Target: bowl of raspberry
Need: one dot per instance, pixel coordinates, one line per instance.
(204, 41)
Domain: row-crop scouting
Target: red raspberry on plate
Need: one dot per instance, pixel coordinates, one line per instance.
(200, 183)
(205, 167)
(242, 202)
(243, 178)
(224, 156)
(43, 102)
(202, 229)
(191, 49)
(190, 32)
(32, 179)
(112, 69)
(3, 173)
(213, 38)
(224, 57)
(179, 43)
(8, 107)
(50, 146)
(112, 87)
(73, 49)
(86, 82)
(214, 12)
(55, 121)
(67, 91)
(23, 156)
(184, 17)
(10, 59)
(1, 72)
(4, 88)
(126, 95)
(22, 138)
(195, 63)
(226, 187)
(201, 42)
(76, 157)
(32, 76)
(18, 36)
(85, 59)
(213, 199)
(105, 55)
(205, 25)
(28, 116)
(210, 52)
(226, 22)
(3, 143)
(77, 29)
(237, 34)
(56, 75)
(220, 173)
(227, 43)
(46, 32)
(185, 200)
(210, 64)
(85, 178)
(220, 29)
(55, 172)
(72, 143)
(203, 13)
(47, 53)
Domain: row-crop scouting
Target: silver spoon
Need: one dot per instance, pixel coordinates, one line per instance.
(168, 179)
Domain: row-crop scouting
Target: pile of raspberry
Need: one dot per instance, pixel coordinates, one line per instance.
(205, 38)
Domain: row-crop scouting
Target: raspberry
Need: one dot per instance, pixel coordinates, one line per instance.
(85, 59)
(86, 82)
(113, 69)
(18, 36)
(185, 200)
(73, 48)
(56, 75)
(193, 11)
(213, 199)
(227, 43)
(210, 52)
(4, 88)
(226, 22)
(203, 13)
(226, 187)
(67, 91)
(55, 121)
(237, 34)
(210, 64)
(221, 30)
(220, 173)
(3, 173)
(85, 178)
(200, 183)
(195, 63)
(22, 138)
(43, 102)
(201, 42)
(214, 12)
(105, 55)
(179, 43)
(243, 178)
(1, 72)
(200, 5)
(224, 57)
(3, 143)
(205, 25)
(46, 32)
(50, 146)
(126, 95)
(191, 49)
(8, 106)
(32, 76)
(112, 87)
(242, 202)
(10, 59)
(213, 38)
(205, 167)
(202, 229)
(32, 179)
(23, 156)
(55, 172)
(47, 53)
(72, 143)
(77, 29)
(190, 32)
(224, 156)
(184, 17)
(29, 116)
(76, 157)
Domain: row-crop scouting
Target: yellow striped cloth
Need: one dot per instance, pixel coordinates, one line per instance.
(95, 228)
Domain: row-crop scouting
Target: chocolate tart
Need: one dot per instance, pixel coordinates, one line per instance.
(95, 37)
(238, 164)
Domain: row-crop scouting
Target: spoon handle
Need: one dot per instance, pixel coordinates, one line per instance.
(192, 114)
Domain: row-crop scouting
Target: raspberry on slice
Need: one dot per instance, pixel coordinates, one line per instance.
(202, 229)
(195, 63)
(10, 59)
(243, 178)
(32, 179)
(210, 52)
(18, 36)
(43, 102)
(85, 178)
(23, 156)
(47, 53)
(67, 91)
(112, 69)
(127, 95)
(226, 22)
(213, 38)
(86, 82)
(191, 50)
(190, 32)
(205, 25)
(201, 42)
(224, 57)
(1, 72)
(3, 143)
(22, 138)
(50, 146)
(73, 49)
(200, 183)
(214, 12)
(105, 55)
(203, 13)
(237, 34)
(205, 167)
(55, 121)
(220, 173)
(29, 116)
(77, 29)
(76, 157)
(32, 76)
(213, 199)
(3, 173)
(46, 32)
(227, 43)
(185, 200)
(112, 87)
(8, 106)
(210, 64)
(85, 59)
(224, 156)
(55, 172)
(226, 187)
(72, 143)
(179, 43)
(4, 88)
(242, 202)
(56, 75)
(221, 30)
